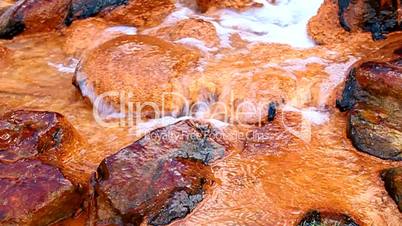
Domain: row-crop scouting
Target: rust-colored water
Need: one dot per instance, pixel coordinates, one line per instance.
(271, 182)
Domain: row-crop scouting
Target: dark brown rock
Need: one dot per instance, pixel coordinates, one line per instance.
(315, 218)
(37, 188)
(393, 184)
(376, 16)
(372, 95)
(161, 177)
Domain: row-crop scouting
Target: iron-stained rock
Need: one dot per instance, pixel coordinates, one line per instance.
(372, 95)
(36, 187)
(161, 177)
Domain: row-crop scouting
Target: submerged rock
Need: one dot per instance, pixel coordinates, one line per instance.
(36, 188)
(161, 177)
(4, 56)
(140, 66)
(315, 218)
(393, 184)
(372, 95)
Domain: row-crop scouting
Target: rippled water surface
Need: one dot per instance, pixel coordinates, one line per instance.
(267, 182)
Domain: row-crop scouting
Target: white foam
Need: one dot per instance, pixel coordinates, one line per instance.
(196, 43)
(69, 68)
(283, 22)
(122, 29)
(311, 114)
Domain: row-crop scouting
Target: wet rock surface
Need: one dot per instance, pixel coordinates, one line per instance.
(30, 16)
(198, 29)
(354, 21)
(35, 190)
(377, 17)
(84, 35)
(33, 16)
(315, 218)
(393, 184)
(142, 66)
(140, 13)
(161, 177)
(372, 95)
(81, 9)
(4, 56)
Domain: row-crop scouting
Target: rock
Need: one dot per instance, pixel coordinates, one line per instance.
(81, 9)
(315, 218)
(161, 177)
(33, 16)
(34, 193)
(378, 17)
(37, 189)
(84, 35)
(30, 16)
(141, 13)
(393, 184)
(142, 66)
(372, 95)
(199, 29)
(205, 5)
(36, 135)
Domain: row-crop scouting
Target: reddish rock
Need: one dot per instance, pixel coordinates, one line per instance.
(161, 177)
(37, 188)
(372, 95)
(34, 193)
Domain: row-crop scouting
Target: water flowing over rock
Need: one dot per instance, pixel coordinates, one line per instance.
(4, 56)
(205, 5)
(32, 179)
(161, 177)
(372, 95)
(315, 218)
(142, 66)
(393, 184)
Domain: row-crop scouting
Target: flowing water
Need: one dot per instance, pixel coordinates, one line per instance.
(269, 181)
